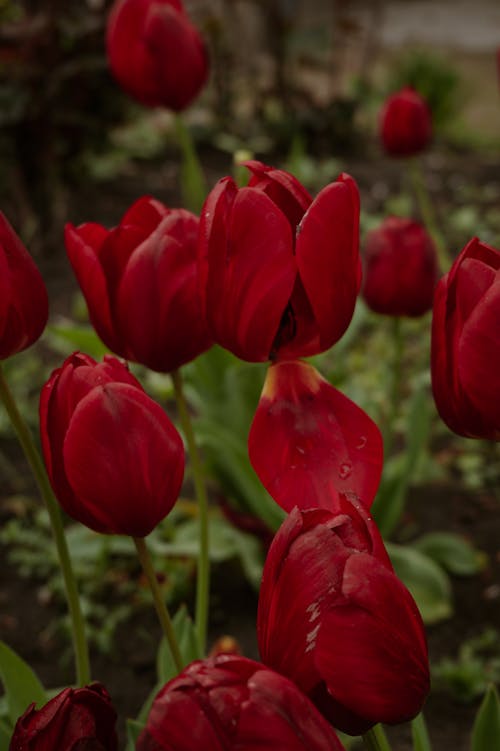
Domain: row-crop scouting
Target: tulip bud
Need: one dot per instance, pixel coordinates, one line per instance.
(75, 718)
(405, 123)
(334, 618)
(141, 286)
(24, 306)
(114, 459)
(309, 443)
(400, 269)
(466, 343)
(155, 52)
(279, 272)
(232, 703)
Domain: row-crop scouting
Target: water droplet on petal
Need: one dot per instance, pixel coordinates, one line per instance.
(362, 442)
(345, 470)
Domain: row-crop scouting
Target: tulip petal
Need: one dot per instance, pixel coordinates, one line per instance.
(247, 243)
(145, 213)
(121, 446)
(371, 648)
(308, 442)
(327, 249)
(283, 188)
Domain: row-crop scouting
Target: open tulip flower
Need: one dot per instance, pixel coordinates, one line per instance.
(141, 286)
(155, 52)
(80, 718)
(24, 306)
(405, 123)
(466, 343)
(231, 703)
(279, 272)
(400, 268)
(114, 459)
(308, 442)
(336, 620)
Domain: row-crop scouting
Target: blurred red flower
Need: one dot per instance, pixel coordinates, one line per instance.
(405, 123)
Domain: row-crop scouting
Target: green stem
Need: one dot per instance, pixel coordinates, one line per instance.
(38, 468)
(159, 603)
(193, 183)
(395, 389)
(376, 740)
(428, 214)
(419, 734)
(203, 578)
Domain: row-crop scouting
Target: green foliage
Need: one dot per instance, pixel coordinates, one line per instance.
(452, 552)
(486, 730)
(20, 684)
(185, 633)
(477, 665)
(420, 736)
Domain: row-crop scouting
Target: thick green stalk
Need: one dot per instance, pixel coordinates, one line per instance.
(159, 603)
(193, 183)
(203, 578)
(38, 468)
(395, 387)
(375, 739)
(428, 214)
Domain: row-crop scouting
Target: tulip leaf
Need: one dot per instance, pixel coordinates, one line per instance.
(452, 552)
(134, 729)
(5, 735)
(188, 644)
(20, 683)
(420, 736)
(81, 337)
(486, 728)
(425, 579)
(398, 472)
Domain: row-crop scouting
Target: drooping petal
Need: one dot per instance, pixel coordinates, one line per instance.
(327, 249)
(308, 442)
(123, 459)
(371, 648)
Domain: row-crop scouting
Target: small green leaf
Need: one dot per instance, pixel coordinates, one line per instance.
(21, 685)
(81, 337)
(420, 736)
(486, 729)
(5, 736)
(134, 729)
(425, 579)
(452, 552)
(188, 644)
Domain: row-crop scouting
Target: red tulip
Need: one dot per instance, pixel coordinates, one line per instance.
(405, 123)
(308, 442)
(336, 620)
(231, 703)
(140, 283)
(401, 270)
(155, 52)
(80, 718)
(279, 271)
(24, 306)
(466, 343)
(114, 459)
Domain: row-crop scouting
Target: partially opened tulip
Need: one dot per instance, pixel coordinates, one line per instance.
(405, 123)
(155, 52)
(336, 620)
(141, 286)
(24, 306)
(80, 718)
(231, 703)
(279, 272)
(309, 443)
(400, 268)
(465, 355)
(114, 459)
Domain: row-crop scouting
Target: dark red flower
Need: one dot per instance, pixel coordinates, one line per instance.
(466, 343)
(24, 306)
(279, 272)
(140, 283)
(74, 720)
(114, 459)
(155, 52)
(231, 703)
(405, 123)
(308, 442)
(400, 269)
(336, 620)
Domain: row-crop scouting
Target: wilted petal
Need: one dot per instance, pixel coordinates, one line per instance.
(308, 442)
